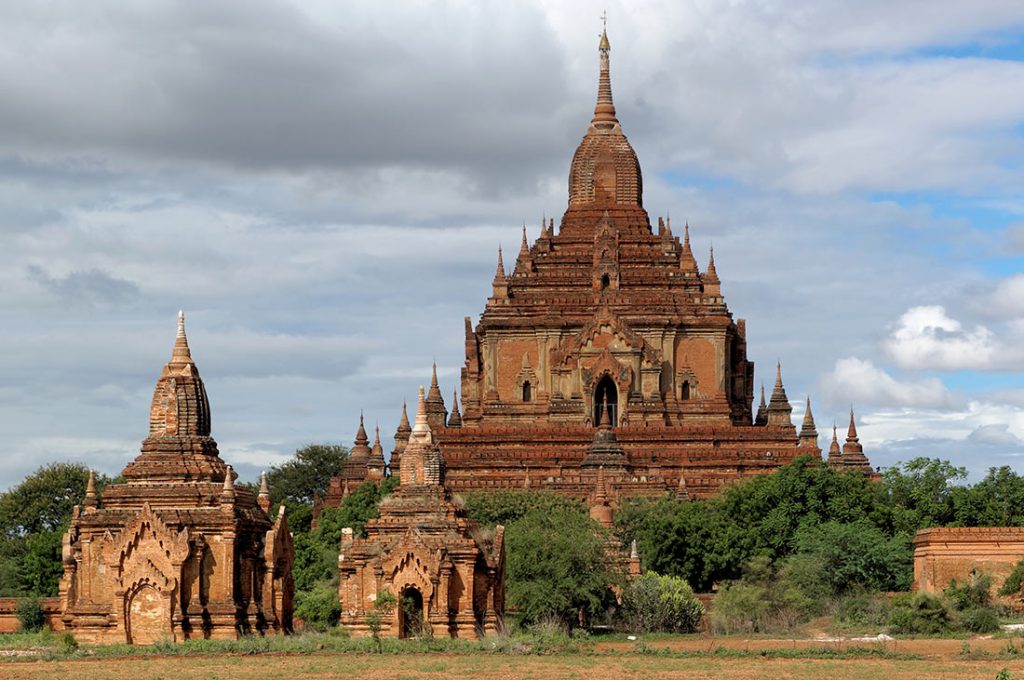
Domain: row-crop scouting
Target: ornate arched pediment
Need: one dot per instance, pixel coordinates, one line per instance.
(606, 364)
(605, 330)
(146, 548)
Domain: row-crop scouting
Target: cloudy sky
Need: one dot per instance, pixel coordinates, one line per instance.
(322, 187)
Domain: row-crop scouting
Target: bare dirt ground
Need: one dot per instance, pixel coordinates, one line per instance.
(937, 649)
(493, 667)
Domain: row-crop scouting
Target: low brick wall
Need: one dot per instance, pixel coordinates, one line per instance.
(945, 553)
(9, 618)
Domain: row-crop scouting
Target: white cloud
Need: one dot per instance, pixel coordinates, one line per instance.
(927, 338)
(996, 434)
(861, 382)
(1008, 296)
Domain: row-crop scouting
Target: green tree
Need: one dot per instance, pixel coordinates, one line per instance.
(306, 475)
(43, 500)
(920, 493)
(557, 565)
(856, 555)
(490, 508)
(316, 552)
(997, 500)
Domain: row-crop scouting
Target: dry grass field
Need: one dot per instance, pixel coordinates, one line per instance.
(597, 666)
(613, 658)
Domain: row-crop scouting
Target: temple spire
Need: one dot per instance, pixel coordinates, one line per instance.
(851, 433)
(263, 498)
(437, 414)
(90, 491)
(762, 410)
(181, 354)
(687, 262)
(499, 285)
(779, 409)
(808, 431)
(455, 420)
(711, 275)
(833, 449)
(403, 424)
(604, 111)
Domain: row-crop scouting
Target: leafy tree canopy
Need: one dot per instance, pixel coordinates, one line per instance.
(43, 500)
(306, 475)
(557, 565)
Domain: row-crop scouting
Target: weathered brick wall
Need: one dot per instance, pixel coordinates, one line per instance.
(9, 618)
(945, 553)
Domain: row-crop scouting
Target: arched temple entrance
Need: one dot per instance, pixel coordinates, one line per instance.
(606, 402)
(149, 619)
(410, 613)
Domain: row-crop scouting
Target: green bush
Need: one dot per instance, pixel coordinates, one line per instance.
(320, 607)
(920, 614)
(974, 593)
(30, 615)
(979, 620)
(863, 609)
(660, 603)
(739, 608)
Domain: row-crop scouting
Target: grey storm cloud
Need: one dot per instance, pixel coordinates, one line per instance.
(90, 287)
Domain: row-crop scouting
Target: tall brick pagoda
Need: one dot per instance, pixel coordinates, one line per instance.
(607, 346)
(177, 551)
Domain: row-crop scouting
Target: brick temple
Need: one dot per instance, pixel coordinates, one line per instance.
(176, 551)
(446, 572)
(607, 345)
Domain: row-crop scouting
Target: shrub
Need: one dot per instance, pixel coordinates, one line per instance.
(1014, 583)
(30, 615)
(979, 620)
(974, 593)
(661, 603)
(920, 613)
(863, 609)
(739, 607)
(320, 607)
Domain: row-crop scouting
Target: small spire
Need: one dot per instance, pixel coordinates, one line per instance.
(361, 438)
(851, 434)
(711, 276)
(376, 437)
(403, 424)
(525, 247)
(263, 498)
(421, 414)
(762, 410)
(808, 431)
(687, 262)
(499, 274)
(181, 353)
(455, 420)
(833, 449)
(229, 482)
(90, 491)
(604, 111)
(682, 494)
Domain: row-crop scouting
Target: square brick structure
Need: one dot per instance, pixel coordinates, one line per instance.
(942, 554)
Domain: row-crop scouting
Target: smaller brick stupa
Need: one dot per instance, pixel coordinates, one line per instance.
(851, 457)
(446, 572)
(176, 551)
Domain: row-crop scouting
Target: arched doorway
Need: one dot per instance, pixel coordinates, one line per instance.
(606, 402)
(527, 391)
(410, 613)
(149, 619)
